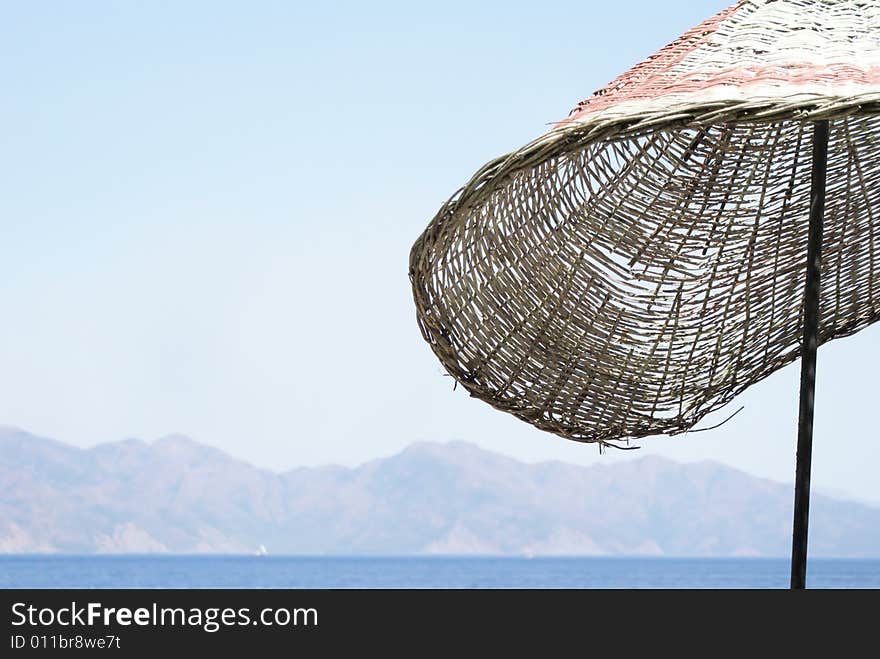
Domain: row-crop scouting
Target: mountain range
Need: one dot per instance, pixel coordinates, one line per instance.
(174, 495)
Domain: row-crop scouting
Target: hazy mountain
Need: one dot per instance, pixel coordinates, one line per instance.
(175, 495)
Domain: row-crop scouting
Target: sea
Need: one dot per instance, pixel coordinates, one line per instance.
(152, 571)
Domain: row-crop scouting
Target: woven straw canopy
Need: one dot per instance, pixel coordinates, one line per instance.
(642, 263)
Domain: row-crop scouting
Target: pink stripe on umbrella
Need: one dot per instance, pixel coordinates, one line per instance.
(633, 83)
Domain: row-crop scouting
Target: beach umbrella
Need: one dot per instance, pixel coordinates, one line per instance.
(708, 217)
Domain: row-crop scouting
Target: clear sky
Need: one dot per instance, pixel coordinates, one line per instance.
(207, 210)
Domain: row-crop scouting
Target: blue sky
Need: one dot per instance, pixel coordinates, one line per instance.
(208, 209)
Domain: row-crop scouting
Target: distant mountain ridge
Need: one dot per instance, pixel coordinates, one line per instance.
(176, 495)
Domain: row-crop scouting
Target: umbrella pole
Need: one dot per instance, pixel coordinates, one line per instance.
(808, 358)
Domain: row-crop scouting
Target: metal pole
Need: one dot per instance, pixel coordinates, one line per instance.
(808, 358)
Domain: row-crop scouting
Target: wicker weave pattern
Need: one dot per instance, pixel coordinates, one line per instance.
(753, 50)
(643, 263)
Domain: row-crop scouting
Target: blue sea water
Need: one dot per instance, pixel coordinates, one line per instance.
(423, 572)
